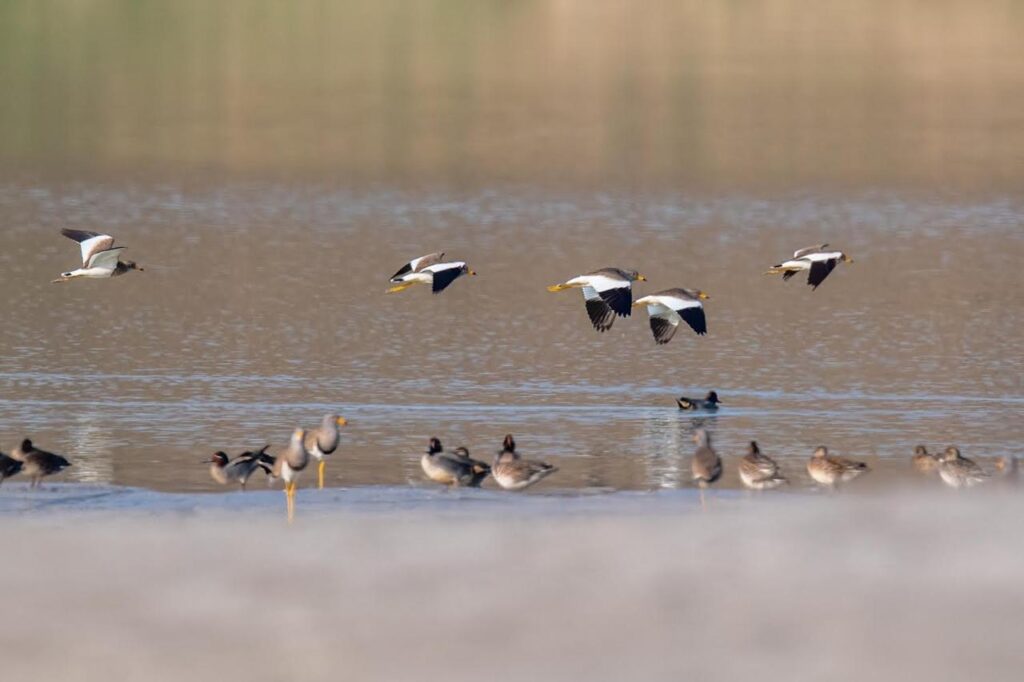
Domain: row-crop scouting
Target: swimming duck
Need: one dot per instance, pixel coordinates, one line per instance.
(957, 471)
(512, 472)
(831, 470)
(323, 441)
(453, 468)
(709, 403)
(759, 471)
(606, 293)
(36, 463)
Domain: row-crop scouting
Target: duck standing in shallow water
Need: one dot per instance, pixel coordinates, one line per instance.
(924, 461)
(456, 468)
(238, 470)
(957, 471)
(36, 463)
(759, 471)
(512, 472)
(1007, 468)
(709, 403)
(8, 467)
(831, 470)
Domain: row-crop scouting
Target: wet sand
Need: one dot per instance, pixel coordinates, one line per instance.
(778, 587)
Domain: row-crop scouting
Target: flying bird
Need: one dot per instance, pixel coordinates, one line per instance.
(667, 309)
(815, 259)
(606, 292)
(430, 270)
(100, 258)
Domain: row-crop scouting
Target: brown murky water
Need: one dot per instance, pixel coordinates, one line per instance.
(271, 165)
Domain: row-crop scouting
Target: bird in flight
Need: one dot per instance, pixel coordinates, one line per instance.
(100, 258)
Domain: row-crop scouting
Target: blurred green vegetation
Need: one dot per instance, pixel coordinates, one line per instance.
(490, 91)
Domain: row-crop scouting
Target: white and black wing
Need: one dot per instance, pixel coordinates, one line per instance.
(820, 269)
(669, 309)
(613, 290)
(444, 274)
(800, 253)
(693, 315)
(418, 264)
(105, 260)
(600, 313)
(91, 243)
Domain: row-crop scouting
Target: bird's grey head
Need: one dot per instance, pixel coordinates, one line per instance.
(132, 265)
(633, 275)
(921, 450)
(702, 437)
(509, 444)
(754, 450)
(951, 453)
(821, 451)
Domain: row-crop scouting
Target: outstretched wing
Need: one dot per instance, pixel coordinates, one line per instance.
(800, 253)
(418, 264)
(105, 260)
(693, 315)
(443, 276)
(664, 322)
(600, 313)
(91, 243)
(820, 269)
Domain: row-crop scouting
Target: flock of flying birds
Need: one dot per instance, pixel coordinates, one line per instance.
(607, 294)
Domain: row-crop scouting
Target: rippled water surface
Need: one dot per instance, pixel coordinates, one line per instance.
(270, 198)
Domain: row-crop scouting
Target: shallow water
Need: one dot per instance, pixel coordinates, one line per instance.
(263, 307)
(269, 199)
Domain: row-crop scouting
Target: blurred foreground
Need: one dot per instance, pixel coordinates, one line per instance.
(485, 586)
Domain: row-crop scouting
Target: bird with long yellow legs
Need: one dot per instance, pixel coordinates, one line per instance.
(322, 441)
(289, 464)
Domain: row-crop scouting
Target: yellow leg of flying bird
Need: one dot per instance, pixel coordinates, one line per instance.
(400, 287)
(320, 474)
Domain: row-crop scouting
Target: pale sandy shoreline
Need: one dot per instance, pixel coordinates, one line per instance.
(892, 586)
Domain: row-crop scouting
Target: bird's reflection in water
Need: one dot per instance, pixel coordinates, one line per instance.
(91, 449)
(666, 441)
